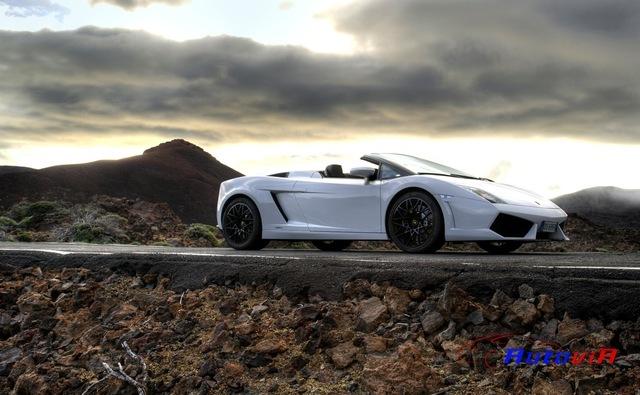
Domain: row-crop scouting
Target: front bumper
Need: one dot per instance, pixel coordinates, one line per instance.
(475, 220)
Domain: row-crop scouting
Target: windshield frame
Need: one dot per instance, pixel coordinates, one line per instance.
(441, 170)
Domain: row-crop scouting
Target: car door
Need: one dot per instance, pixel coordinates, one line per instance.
(340, 205)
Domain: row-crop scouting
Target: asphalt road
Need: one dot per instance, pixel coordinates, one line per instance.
(584, 284)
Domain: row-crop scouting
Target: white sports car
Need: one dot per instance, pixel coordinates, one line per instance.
(416, 203)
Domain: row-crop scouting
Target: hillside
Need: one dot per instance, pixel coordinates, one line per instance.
(177, 172)
(607, 206)
(14, 169)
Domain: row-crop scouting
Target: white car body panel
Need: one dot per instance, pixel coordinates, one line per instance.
(307, 206)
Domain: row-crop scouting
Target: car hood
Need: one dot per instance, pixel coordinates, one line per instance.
(508, 193)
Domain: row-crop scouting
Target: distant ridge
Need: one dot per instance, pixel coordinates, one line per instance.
(13, 169)
(608, 206)
(176, 172)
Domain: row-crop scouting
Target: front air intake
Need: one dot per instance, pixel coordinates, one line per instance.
(511, 226)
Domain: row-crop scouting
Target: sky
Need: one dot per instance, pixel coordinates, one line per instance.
(537, 93)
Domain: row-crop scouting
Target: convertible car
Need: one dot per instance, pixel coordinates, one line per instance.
(416, 203)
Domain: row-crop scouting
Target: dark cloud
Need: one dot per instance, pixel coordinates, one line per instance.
(619, 18)
(27, 8)
(439, 68)
(539, 66)
(131, 4)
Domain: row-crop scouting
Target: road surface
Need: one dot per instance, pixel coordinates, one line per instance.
(601, 284)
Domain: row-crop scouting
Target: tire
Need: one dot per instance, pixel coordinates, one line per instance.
(499, 247)
(415, 223)
(242, 226)
(331, 245)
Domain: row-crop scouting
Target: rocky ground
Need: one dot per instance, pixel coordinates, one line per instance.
(74, 331)
(104, 219)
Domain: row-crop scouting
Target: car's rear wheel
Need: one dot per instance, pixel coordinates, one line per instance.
(331, 245)
(499, 247)
(415, 223)
(242, 226)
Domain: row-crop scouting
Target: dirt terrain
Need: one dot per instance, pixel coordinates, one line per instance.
(103, 220)
(73, 330)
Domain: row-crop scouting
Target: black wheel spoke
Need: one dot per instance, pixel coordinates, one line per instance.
(412, 222)
(239, 222)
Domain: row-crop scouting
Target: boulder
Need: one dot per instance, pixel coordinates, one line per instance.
(457, 350)
(270, 346)
(371, 313)
(546, 304)
(406, 371)
(8, 357)
(521, 312)
(233, 369)
(431, 322)
(374, 344)
(569, 329)
(343, 354)
(453, 303)
(500, 300)
(549, 330)
(601, 338)
(357, 288)
(397, 300)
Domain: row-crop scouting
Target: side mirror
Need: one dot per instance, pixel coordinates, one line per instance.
(363, 172)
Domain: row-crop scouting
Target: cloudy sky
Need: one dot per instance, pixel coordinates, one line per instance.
(544, 94)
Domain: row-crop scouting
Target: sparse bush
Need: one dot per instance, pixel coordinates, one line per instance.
(6, 223)
(113, 225)
(206, 232)
(24, 235)
(86, 233)
(91, 224)
(29, 215)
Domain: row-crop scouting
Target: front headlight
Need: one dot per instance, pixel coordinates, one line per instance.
(486, 195)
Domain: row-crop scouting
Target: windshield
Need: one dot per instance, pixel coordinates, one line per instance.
(422, 166)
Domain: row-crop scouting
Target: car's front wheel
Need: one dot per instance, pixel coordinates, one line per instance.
(242, 225)
(415, 223)
(499, 247)
(331, 245)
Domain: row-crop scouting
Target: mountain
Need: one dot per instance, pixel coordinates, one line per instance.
(13, 169)
(608, 206)
(177, 172)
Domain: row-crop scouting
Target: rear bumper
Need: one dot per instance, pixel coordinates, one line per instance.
(475, 220)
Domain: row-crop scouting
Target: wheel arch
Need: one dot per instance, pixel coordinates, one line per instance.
(403, 191)
(235, 196)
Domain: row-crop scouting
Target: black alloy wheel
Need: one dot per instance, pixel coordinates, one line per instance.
(331, 245)
(415, 223)
(499, 247)
(241, 225)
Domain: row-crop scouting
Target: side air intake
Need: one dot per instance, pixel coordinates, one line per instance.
(274, 196)
(511, 226)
